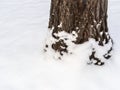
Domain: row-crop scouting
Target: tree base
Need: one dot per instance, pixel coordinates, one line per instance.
(62, 44)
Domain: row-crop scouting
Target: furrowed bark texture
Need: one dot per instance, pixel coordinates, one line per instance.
(88, 18)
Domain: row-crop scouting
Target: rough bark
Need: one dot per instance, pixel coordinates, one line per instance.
(88, 18)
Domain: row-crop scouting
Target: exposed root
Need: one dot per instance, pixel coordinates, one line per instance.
(108, 54)
(60, 46)
(95, 60)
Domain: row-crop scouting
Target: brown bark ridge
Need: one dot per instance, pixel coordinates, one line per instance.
(88, 18)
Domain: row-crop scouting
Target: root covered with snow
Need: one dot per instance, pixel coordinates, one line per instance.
(61, 45)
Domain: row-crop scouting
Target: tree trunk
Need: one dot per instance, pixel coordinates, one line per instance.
(84, 19)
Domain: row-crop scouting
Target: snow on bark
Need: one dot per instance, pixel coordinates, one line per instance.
(95, 54)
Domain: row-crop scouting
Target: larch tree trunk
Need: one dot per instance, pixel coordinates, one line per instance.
(84, 19)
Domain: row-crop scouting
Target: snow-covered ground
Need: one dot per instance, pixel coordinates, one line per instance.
(23, 28)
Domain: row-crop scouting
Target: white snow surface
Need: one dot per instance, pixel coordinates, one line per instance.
(23, 65)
